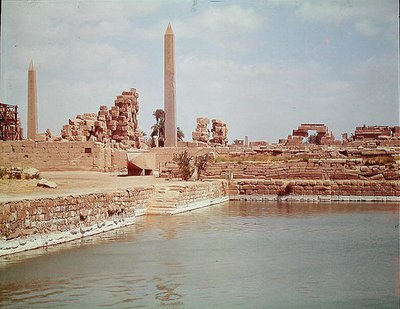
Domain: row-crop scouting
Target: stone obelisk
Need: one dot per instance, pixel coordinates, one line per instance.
(32, 103)
(169, 88)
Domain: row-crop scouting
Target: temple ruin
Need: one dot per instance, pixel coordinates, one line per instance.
(376, 132)
(201, 133)
(302, 135)
(118, 124)
(219, 132)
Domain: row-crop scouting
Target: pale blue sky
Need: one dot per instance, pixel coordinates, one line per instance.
(263, 67)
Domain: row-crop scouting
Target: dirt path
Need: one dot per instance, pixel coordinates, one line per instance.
(75, 182)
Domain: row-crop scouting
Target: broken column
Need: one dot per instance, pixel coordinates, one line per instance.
(201, 133)
(219, 132)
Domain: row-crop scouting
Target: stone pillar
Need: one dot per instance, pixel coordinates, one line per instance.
(169, 88)
(32, 103)
(246, 141)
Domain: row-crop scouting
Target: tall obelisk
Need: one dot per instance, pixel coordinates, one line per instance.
(32, 103)
(169, 88)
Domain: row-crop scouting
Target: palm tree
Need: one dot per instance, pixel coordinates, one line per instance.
(158, 129)
(179, 134)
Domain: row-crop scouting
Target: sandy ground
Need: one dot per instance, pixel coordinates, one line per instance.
(76, 182)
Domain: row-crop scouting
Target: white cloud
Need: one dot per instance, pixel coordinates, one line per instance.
(86, 54)
(222, 26)
(43, 22)
(266, 101)
(370, 17)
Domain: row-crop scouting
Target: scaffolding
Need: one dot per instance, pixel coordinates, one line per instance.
(10, 126)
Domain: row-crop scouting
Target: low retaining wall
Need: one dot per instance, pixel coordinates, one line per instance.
(30, 224)
(333, 169)
(62, 156)
(315, 190)
(34, 223)
(318, 169)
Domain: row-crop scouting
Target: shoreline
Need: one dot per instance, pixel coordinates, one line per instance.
(31, 222)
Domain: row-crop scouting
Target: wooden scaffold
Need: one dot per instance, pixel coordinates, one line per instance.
(10, 126)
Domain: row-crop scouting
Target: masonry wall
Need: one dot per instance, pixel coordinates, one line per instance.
(35, 223)
(29, 224)
(330, 190)
(170, 199)
(166, 154)
(62, 156)
(333, 169)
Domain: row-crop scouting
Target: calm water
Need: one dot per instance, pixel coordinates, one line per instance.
(233, 255)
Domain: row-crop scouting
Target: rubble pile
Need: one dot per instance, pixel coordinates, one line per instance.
(118, 124)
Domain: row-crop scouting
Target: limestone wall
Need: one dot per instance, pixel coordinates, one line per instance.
(29, 224)
(166, 154)
(35, 223)
(62, 156)
(344, 169)
(317, 190)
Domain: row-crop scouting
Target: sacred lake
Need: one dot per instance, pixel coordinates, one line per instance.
(230, 255)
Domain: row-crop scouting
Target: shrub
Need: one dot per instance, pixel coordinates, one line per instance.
(201, 163)
(184, 164)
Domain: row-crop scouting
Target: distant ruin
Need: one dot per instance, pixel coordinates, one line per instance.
(376, 132)
(219, 132)
(301, 135)
(201, 133)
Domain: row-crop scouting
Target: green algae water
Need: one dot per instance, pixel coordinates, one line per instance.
(232, 255)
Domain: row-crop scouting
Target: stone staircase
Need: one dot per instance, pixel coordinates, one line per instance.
(175, 198)
(165, 200)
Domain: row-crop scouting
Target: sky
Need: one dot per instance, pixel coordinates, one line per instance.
(262, 66)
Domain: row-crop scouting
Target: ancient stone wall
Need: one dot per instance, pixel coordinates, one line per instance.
(62, 156)
(171, 199)
(316, 190)
(166, 154)
(118, 124)
(374, 136)
(376, 132)
(35, 223)
(317, 169)
(219, 132)
(201, 133)
(322, 137)
(313, 169)
(28, 224)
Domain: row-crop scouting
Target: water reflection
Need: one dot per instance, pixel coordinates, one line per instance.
(299, 209)
(237, 254)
